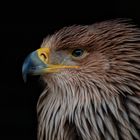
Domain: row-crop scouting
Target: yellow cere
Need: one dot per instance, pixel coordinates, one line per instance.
(43, 54)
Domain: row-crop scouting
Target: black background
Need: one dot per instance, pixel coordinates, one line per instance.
(22, 29)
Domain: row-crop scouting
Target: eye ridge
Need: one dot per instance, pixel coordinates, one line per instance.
(77, 52)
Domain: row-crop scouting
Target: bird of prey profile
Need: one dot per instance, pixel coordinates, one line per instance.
(92, 82)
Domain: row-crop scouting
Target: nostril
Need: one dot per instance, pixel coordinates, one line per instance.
(44, 56)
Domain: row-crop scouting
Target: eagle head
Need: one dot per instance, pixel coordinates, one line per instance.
(92, 76)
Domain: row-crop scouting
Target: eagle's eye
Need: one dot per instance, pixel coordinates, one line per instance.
(77, 52)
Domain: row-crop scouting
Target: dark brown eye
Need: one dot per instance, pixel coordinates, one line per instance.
(77, 52)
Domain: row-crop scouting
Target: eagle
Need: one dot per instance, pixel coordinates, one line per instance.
(91, 76)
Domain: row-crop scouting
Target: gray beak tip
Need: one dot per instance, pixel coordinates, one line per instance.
(32, 65)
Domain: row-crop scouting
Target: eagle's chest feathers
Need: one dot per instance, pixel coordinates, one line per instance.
(72, 118)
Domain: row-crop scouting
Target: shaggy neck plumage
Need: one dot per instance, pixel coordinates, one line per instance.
(65, 113)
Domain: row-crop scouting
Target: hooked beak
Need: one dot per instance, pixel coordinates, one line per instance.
(37, 63)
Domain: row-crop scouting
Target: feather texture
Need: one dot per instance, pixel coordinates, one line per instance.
(100, 100)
